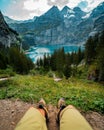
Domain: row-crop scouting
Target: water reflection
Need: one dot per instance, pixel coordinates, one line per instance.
(38, 52)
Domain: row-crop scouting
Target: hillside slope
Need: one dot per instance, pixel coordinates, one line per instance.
(7, 35)
(14, 111)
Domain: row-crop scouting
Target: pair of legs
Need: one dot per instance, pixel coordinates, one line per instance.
(68, 117)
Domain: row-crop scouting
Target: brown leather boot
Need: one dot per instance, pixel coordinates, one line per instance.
(42, 105)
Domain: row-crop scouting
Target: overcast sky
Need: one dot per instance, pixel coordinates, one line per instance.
(26, 9)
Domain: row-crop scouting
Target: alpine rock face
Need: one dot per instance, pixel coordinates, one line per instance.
(95, 22)
(7, 35)
(68, 26)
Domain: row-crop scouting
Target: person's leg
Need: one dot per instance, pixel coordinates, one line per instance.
(34, 119)
(70, 118)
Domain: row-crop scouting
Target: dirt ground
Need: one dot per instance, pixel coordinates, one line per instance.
(12, 111)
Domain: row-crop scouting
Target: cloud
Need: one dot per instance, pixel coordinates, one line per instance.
(39, 5)
(83, 4)
(73, 3)
(60, 3)
(26, 9)
(92, 4)
(16, 11)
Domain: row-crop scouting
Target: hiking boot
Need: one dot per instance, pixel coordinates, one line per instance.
(42, 105)
(61, 105)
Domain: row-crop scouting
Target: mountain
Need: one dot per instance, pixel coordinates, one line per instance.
(78, 12)
(66, 12)
(96, 20)
(98, 11)
(50, 19)
(11, 21)
(99, 23)
(68, 26)
(7, 35)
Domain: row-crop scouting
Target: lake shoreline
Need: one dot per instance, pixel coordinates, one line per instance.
(37, 52)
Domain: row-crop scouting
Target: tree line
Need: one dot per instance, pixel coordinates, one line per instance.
(94, 56)
(16, 59)
(60, 61)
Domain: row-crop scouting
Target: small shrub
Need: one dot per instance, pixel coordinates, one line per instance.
(59, 74)
(33, 72)
(50, 74)
(10, 72)
(7, 73)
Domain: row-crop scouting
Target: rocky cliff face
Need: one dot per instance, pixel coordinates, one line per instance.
(7, 35)
(95, 21)
(68, 26)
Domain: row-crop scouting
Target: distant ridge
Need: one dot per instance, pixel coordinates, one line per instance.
(68, 26)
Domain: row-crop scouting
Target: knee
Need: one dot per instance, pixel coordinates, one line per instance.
(71, 106)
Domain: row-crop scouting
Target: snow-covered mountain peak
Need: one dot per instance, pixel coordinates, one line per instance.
(59, 27)
(67, 12)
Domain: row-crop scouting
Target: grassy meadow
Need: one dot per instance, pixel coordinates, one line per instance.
(84, 94)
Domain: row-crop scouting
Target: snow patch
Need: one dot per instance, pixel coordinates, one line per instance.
(87, 15)
(93, 33)
(69, 16)
(70, 11)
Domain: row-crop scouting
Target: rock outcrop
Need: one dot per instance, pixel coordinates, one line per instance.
(7, 35)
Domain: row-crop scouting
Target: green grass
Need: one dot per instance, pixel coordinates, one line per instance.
(7, 73)
(84, 94)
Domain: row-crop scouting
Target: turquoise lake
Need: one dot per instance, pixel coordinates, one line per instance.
(36, 52)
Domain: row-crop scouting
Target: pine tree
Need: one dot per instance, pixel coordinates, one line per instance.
(100, 53)
(79, 56)
(67, 71)
(19, 61)
(60, 60)
(72, 58)
(68, 59)
(53, 61)
(90, 50)
(3, 64)
(46, 62)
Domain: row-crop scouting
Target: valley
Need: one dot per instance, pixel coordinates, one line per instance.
(57, 54)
